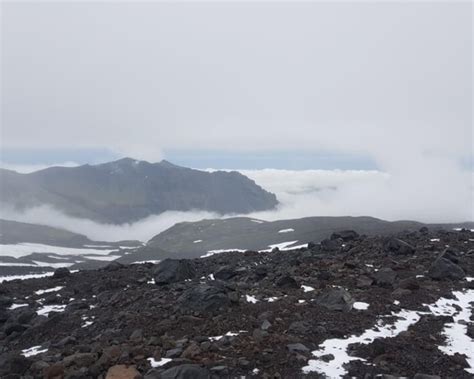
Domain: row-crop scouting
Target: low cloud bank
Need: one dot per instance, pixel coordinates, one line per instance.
(302, 194)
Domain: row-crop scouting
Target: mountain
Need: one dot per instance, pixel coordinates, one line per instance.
(128, 190)
(195, 239)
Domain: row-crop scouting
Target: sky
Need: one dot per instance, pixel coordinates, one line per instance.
(380, 85)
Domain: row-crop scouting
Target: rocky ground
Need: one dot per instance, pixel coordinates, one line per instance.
(251, 314)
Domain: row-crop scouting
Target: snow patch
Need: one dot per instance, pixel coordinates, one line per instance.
(15, 306)
(251, 299)
(289, 230)
(307, 288)
(54, 289)
(22, 249)
(197, 241)
(338, 347)
(458, 341)
(456, 332)
(154, 363)
(23, 277)
(46, 309)
(35, 350)
(219, 251)
(360, 306)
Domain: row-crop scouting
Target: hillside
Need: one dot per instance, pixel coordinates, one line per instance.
(128, 190)
(27, 249)
(362, 307)
(194, 239)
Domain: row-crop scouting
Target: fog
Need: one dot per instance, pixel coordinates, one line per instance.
(301, 193)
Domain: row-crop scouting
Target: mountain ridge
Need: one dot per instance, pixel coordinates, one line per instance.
(128, 190)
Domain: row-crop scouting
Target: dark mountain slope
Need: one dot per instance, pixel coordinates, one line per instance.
(194, 239)
(128, 190)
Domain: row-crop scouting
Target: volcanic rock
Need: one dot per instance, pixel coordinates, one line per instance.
(336, 299)
(173, 270)
(61, 273)
(204, 298)
(399, 247)
(443, 268)
(186, 371)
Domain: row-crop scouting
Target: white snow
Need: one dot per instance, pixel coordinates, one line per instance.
(258, 221)
(86, 324)
(15, 306)
(22, 277)
(36, 264)
(458, 341)
(360, 306)
(211, 277)
(102, 257)
(434, 239)
(197, 241)
(23, 249)
(35, 350)
(271, 299)
(154, 261)
(289, 230)
(419, 276)
(284, 246)
(301, 301)
(251, 299)
(54, 289)
(154, 363)
(228, 334)
(219, 251)
(14, 264)
(53, 265)
(307, 288)
(46, 309)
(338, 347)
(396, 302)
(97, 246)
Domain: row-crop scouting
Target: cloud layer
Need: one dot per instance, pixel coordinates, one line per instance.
(301, 193)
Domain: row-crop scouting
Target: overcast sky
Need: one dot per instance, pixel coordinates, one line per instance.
(142, 79)
(375, 85)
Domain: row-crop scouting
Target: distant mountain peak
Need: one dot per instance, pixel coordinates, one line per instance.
(127, 190)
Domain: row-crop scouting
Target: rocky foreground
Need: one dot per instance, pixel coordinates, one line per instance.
(352, 306)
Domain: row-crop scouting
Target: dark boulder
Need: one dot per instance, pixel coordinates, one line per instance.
(299, 327)
(345, 235)
(225, 273)
(385, 277)
(204, 298)
(399, 247)
(5, 301)
(186, 371)
(286, 281)
(173, 271)
(336, 299)
(61, 273)
(451, 254)
(443, 268)
(297, 348)
(330, 245)
(13, 364)
(424, 230)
